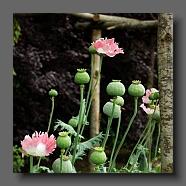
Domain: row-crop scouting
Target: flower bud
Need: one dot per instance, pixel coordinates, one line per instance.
(156, 113)
(73, 122)
(154, 96)
(136, 89)
(92, 50)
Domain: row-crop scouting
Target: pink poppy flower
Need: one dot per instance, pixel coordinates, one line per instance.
(149, 110)
(145, 98)
(39, 144)
(107, 46)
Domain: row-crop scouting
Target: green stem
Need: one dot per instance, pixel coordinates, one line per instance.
(38, 164)
(128, 128)
(31, 164)
(70, 135)
(150, 132)
(157, 141)
(82, 129)
(61, 160)
(138, 142)
(115, 142)
(79, 124)
(51, 114)
(88, 93)
(149, 145)
(88, 102)
(93, 89)
(148, 140)
(108, 125)
(90, 84)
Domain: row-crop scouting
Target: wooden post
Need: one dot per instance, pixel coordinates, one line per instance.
(165, 78)
(95, 107)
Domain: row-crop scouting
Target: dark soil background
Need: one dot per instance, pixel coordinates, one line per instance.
(47, 55)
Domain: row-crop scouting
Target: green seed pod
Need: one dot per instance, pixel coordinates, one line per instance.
(156, 114)
(115, 88)
(66, 165)
(92, 50)
(53, 93)
(107, 109)
(73, 122)
(98, 156)
(63, 140)
(154, 96)
(81, 77)
(119, 101)
(136, 89)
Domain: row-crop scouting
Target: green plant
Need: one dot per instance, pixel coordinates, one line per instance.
(18, 161)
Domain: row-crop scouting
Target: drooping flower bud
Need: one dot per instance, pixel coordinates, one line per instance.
(73, 122)
(92, 50)
(154, 96)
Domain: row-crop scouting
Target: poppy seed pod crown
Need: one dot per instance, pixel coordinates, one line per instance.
(53, 93)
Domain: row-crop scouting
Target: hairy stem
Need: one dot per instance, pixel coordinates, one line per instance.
(126, 132)
(138, 142)
(51, 114)
(61, 160)
(108, 125)
(31, 164)
(157, 141)
(92, 89)
(115, 142)
(79, 124)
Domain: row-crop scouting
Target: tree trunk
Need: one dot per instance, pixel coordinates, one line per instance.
(165, 80)
(95, 107)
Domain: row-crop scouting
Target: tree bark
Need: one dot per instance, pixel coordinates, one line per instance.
(95, 107)
(165, 80)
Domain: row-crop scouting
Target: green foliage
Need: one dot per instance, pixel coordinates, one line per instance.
(16, 31)
(82, 147)
(67, 127)
(41, 169)
(18, 161)
(139, 164)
